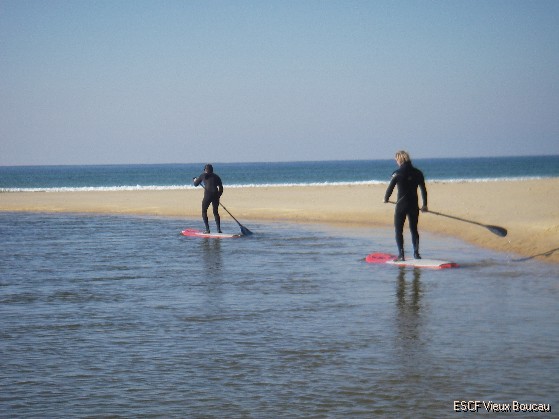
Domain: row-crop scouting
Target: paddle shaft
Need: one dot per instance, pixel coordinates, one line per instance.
(457, 218)
(223, 206)
(499, 231)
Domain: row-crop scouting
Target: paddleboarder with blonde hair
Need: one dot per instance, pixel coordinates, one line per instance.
(408, 179)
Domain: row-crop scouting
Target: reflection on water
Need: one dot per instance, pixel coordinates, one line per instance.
(211, 255)
(408, 294)
(409, 346)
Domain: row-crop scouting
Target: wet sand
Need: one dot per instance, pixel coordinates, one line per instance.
(529, 209)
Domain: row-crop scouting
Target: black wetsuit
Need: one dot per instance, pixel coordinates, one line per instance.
(408, 179)
(213, 189)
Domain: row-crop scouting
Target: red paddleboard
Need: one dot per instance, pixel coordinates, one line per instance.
(191, 232)
(386, 258)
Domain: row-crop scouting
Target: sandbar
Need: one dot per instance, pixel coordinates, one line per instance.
(528, 209)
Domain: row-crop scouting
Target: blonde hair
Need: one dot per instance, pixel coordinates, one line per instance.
(402, 156)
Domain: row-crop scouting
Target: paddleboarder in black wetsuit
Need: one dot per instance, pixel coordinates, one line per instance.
(408, 179)
(213, 189)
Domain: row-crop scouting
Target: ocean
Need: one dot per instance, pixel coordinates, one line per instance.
(179, 176)
(121, 316)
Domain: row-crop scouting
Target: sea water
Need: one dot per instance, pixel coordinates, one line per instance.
(173, 176)
(121, 316)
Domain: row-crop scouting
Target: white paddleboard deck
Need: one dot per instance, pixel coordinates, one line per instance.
(190, 232)
(388, 259)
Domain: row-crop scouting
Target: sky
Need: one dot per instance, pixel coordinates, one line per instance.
(135, 81)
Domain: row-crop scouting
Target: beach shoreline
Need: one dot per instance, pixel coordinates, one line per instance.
(527, 208)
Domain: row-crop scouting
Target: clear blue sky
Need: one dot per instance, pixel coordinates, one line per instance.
(95, 81)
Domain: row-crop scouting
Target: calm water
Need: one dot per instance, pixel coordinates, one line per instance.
(122, 316)
(165, 176)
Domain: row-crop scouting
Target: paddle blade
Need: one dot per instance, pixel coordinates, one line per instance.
(245, 231)
(499, 231)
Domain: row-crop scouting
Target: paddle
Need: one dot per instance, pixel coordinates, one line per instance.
(245, 231)
(499, 231)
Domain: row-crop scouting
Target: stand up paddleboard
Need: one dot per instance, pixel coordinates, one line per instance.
(380, 258)
(190, 232)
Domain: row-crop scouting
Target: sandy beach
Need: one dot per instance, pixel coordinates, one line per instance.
(529, 209)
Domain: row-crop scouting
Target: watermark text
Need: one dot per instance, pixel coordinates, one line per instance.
(492, 407)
